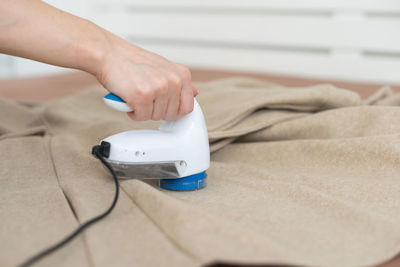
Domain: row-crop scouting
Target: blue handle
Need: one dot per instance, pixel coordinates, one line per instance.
(111, 96)
(116, 103)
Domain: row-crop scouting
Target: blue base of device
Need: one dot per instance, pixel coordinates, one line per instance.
(192, 182)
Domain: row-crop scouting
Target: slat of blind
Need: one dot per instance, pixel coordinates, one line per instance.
(359, 5)
(293, 31)
(367, 69)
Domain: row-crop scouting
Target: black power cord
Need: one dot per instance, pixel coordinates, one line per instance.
(98, 152)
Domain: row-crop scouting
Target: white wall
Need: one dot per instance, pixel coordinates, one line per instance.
(11, 67)
(355, 40)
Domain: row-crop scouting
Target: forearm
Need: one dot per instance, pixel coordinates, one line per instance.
(38, 31)
(153, 86)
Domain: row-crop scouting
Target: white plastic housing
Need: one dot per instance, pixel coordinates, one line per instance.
(183, 141)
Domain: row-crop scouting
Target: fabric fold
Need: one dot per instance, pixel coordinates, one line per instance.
(302, 176)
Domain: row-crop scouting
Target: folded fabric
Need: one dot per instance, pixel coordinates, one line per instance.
(303, 176)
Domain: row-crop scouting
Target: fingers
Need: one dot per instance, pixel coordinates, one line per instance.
(175, 86)
(161, 94)
(154, 87)
(187, 101)
(181, 93)
(161, 101)
(142, 104)
(195, 92)
(187, 93)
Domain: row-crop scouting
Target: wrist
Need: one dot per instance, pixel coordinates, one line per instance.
(92, 50)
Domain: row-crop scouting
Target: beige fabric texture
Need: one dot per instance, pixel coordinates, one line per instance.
(303, 176)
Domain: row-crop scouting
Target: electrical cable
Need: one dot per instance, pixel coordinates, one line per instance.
(97, 151)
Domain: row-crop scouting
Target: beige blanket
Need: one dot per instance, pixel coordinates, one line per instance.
(307, 176)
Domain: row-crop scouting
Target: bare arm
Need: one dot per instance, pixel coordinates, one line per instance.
(153, 86)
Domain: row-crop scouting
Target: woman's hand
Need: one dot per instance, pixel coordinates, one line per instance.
(154, 87)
